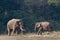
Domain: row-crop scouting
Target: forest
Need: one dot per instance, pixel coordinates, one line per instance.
(30, 11)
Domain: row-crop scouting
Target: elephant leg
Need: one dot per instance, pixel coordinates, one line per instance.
(40, 31)
(16, 32)
(13, 30)
(49, 30)
(21, 30)
(8, 31)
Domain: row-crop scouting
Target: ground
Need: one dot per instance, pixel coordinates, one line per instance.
(32, 36)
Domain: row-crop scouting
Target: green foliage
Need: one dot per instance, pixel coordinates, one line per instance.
(30, 11)
(56, 2)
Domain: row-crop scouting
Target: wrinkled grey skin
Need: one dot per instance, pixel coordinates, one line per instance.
(42, 26)
(12, 24)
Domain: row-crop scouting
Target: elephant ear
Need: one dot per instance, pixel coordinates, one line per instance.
(17, 23)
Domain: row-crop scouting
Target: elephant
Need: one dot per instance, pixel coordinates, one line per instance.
(13, 24)
(42, 26)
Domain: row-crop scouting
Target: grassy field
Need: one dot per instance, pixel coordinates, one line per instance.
(32, 36)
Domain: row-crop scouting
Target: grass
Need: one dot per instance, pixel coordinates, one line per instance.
(32, 36)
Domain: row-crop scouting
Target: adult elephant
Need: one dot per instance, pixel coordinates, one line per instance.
(13, 24)
(42, 26)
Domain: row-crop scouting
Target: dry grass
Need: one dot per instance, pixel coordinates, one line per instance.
(32, 36)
